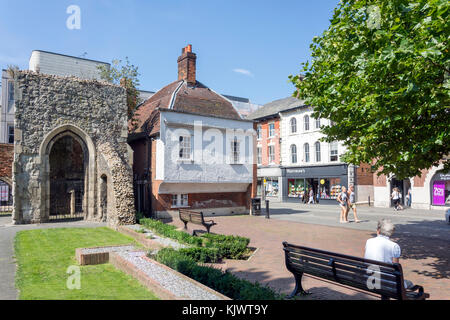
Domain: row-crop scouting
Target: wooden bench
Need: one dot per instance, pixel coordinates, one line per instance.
(376, 277)
(196, 218)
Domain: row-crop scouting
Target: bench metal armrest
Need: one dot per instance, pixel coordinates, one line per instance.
(415, 288)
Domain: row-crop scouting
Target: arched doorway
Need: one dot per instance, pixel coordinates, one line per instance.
(68, 162)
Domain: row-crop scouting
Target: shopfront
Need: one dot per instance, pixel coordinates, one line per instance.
(325, 181)
(440, 189)
(268, 183)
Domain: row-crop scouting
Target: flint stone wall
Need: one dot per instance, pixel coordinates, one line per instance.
(96, 112)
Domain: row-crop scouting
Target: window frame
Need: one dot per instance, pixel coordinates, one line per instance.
(334, 150)
(317, 151)
(294, 154)
(9, 127)
(271, 155)
(258, 155)
(306, 124)
(182, 147)
(306, 152)
(271, 134)
(181, 200)
(293, 125)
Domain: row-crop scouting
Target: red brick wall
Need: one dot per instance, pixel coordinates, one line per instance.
(6, 160)
(364, 175)
(206, 200)
(265, 141)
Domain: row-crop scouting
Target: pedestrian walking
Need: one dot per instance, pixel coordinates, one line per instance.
(352, 202)
(343, 204)
(396, 196)
(409, 197)
(311, 196)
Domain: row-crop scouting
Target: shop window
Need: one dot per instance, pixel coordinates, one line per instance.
(293, 125)
(306, 122)
(293, 153)
(317, 149)
(271, 187)
(441, 193)
(333, 151)
(306, 149)
(271, 152)
(296, 188)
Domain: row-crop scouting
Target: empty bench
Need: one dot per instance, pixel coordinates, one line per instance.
(196, 218)
(376, 277)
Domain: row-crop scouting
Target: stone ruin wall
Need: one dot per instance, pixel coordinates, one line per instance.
(95, 111)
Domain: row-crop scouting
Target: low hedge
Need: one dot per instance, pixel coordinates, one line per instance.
(201, 254)
(228, 247)
(170, 231)
(223, 282)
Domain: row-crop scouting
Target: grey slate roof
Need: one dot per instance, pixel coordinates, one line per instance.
(274, 107)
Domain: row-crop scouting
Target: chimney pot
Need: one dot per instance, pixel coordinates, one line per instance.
(187, 65)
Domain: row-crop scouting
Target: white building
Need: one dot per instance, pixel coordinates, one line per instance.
(307, 162)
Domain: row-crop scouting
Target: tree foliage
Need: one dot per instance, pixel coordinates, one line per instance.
(380, 73)
(126, 75)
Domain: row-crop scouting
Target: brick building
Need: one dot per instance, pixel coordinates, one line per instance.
(191, 149)
(292, 159)
(429, 191)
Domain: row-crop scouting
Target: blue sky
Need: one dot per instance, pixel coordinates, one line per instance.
(244, 48)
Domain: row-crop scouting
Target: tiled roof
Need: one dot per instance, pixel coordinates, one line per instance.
(274, 107)
(179, 96)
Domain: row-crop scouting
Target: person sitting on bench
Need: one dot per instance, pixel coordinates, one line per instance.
(381, 248)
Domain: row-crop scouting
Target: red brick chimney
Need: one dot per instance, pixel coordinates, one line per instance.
(186, 65)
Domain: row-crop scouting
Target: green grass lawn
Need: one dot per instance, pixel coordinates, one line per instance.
(44, 255)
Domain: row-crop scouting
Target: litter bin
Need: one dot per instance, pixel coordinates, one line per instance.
(256, 206)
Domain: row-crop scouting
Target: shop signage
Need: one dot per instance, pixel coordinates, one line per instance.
(439, 193)
(444, 176)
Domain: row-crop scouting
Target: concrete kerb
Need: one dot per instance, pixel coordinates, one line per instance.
(151, 284)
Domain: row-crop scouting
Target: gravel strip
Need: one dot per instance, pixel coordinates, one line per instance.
(168, 280)
(108, 249)
(162, 240)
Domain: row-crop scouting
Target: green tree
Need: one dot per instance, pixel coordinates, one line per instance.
(380, 73)
(125, 75)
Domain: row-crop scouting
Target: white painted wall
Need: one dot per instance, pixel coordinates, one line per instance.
(61, 65)
(301, 137)
(202, 169)
(6, 112)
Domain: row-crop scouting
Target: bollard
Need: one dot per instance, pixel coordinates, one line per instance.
(368, 201)
(267, 210)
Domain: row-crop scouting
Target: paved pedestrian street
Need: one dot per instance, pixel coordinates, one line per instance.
(423, 236)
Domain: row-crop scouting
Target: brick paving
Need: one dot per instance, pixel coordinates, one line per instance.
(425, 261)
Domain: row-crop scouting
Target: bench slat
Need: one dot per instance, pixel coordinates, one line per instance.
(354, 272)
(340, 265)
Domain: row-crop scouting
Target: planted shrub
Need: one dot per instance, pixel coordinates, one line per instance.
(230, 247)
(223, 282)
(170, 231)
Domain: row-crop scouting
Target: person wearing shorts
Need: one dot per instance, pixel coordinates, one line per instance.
(352, 201)
(343, 204)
